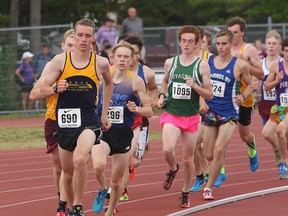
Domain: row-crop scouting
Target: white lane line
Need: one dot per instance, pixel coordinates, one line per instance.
(229, 200)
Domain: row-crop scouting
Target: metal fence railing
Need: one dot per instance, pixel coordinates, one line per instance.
(160, 43)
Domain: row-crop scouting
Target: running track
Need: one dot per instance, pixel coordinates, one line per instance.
(26, 184)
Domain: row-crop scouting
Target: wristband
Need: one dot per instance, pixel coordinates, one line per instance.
(55, 89)
(161, 94)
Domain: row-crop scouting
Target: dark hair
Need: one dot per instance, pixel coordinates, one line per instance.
(201, 30)
(208, 35)
(237, 20)
(107, 46)
(122, 37)
(284, 43)
(45, 45)
(135, 39)
(107, 19)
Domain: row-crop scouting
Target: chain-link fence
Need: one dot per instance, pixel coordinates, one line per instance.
(160, 43)
(13, 43)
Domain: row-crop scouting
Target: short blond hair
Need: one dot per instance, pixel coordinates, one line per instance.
(123, 44)
(85, 22)
(68, 33)
(275, 34)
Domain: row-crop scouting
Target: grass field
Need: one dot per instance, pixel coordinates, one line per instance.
(19, 138)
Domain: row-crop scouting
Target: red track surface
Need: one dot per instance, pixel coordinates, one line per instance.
(27, 188)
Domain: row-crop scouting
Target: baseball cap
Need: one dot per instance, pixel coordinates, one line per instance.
(27, 54)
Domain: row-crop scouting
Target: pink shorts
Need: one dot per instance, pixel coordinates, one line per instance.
(188, 124)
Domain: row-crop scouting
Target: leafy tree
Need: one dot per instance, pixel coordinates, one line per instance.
(277, 9)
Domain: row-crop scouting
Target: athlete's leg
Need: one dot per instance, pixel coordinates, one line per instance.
(85, 143)
(224, 135)
(66, 159)
(119, 165)
(170, 134)
(188, 142)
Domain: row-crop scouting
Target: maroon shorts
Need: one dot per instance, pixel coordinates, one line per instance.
(49, 130)
(264, 108)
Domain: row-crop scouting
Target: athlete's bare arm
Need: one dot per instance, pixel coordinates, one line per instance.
(35, 92)
(151, 85)
(103, 68)
(274, 77)
(139, 88)
(164, 86)
(255, 66)
(206, 90)
(55, 69)
(242, 72)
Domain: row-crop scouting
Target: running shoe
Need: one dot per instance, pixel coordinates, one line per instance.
(124, 197)
(169, 180)
(254, 161)
(282, 168)
(77, 211)
(69, 212)
(147, 148)
(221, 178)
(60, 212)
(184, 200)
(115, 210)
(132, 172)
(283, 176)
(198, 184)
(207, 194)
(277, 158)
(99, 200)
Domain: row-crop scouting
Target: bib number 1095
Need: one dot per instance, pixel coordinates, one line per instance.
(181, 91)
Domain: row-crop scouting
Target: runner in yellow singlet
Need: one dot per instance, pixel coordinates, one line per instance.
(50, 126)
(249, 54)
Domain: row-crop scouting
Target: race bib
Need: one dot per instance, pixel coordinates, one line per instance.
(218, 88)
(181, 91)
(116, 114)
(269, 95)
(69, 118)
(284, 99)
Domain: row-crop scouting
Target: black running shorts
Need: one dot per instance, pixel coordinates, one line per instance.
(118, 139)
(245, 115)
(69, 141)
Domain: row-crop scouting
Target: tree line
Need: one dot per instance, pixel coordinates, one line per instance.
(153, 13)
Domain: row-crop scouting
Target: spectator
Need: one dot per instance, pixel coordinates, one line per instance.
(106, 33)
(106, 51)
(261, 52)
(41, 60)
(133, 23)
(26, 76)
